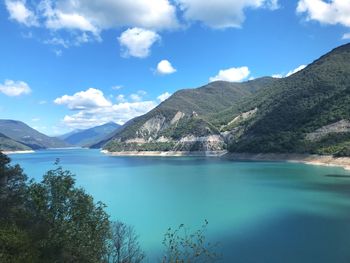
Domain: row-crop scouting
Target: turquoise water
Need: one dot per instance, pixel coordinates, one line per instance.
(258, 211)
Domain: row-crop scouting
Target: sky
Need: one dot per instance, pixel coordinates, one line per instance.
(75, 64)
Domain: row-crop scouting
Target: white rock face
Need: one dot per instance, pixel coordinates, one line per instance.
(206, 143)
(152, 127)
(337, 127)
(178, 116)
(243, 116)
(136, 140)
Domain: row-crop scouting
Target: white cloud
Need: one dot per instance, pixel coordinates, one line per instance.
(92, 17)
(278, 76)
(164, 96)
(89, 99)
(121, 98)
(232, 74)
(346, 36)
(14, 88)
(42, 102)
(119, 113)
(95, 112)
(20, 13)
(223, 13)
(301, 67)
(137, 42)
(117, 87)
(36, 119)
(164, 67)
(138, 96)
(89, 15)
(326, 12)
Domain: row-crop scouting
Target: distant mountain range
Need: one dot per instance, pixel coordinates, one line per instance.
(306, 112)
(88, 137)
(16, 135)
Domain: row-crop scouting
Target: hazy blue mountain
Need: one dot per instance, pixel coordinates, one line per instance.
(66, 135)
(22, 133)
(90, 136)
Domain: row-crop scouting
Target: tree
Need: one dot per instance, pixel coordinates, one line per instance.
(181, 246)
(12, 189)
(67, 225)
(123, 245)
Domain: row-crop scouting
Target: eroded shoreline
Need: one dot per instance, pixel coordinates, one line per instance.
(324, 160)
(17, 152)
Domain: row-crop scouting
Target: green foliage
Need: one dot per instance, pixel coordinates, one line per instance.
(182, 246)
(295, 106)
(7, 144)
(115, 146)
(70, 226)
(50, 221)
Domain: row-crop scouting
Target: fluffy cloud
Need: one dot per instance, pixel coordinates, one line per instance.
(278, 76)
(20, 13)
(89, 99)
(14, 88)
(164, 96)
(119, 113)
(326, 12)
(346, 36)
(301, 67)
(232, 74)
(94, 16)
(223, 13)
(95, 112)
(136, 42)
(164, 67)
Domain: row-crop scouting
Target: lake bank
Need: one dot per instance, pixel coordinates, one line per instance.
(167, 154)
(313, 159)
(17, 152)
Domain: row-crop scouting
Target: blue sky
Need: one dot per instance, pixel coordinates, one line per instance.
(75, 64)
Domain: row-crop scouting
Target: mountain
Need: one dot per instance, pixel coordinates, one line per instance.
(90, 136)
(66, 135)
(25, 135)
(181, 122)
(7, 144)
(307, 112)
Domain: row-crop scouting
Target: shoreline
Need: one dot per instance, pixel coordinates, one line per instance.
(17, 152)
(167, 154)
(310, 159)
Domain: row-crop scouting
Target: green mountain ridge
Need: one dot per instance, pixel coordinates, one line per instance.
(307, 112)
(7, 144)
(28, 137)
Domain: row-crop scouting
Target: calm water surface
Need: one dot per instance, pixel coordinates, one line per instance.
(269, 212)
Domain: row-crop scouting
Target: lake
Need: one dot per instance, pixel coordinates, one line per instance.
(258, 211)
